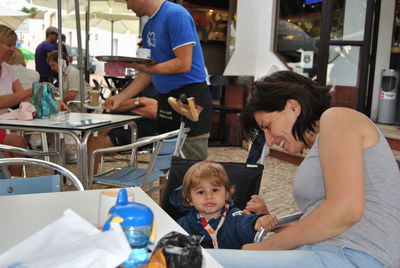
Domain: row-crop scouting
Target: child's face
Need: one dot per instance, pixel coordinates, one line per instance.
(53, 66)
(208, 199)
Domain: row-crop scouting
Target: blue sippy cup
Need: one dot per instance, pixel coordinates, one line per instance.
(136, 221)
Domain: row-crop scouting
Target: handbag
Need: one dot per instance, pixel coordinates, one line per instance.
(44, 101)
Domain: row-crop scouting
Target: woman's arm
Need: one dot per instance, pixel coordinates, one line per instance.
(19, 95)
(341, 143)
(17, 87)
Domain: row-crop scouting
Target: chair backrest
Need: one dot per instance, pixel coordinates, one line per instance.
(43, 184)
(38, 162)
(164, 156)
(246, 178)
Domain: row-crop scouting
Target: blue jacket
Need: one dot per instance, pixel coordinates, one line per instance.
(237, 230)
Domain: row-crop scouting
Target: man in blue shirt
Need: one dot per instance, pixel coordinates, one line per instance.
(170, 35)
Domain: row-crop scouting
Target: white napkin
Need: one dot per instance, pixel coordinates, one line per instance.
(69, 241)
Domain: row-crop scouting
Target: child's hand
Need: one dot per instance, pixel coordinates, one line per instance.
(267, 222)
(256, 205)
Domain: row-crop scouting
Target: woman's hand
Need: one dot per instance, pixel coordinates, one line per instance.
(256, 205)
(254, 246)
(267, 222)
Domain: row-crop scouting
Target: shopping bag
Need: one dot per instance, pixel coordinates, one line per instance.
(44, 101)
(176, 250)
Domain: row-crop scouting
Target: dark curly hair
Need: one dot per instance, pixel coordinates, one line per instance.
(271, 93)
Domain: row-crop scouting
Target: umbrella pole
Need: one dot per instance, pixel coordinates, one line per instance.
(60, 60)
(87, 74)
(112, 37)
(79, 39)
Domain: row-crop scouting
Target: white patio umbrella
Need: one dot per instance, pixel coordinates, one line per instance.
(95, 5)
(113, 22)
(12, 18)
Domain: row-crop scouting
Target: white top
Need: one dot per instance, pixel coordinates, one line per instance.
(70, 80)
(26, 76)
(6, 80)
(23, 215)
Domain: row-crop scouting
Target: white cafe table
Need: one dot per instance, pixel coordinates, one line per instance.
(23, 215)
(80, 126)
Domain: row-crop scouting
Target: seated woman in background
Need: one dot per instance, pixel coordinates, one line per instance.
(347, 186)
(11, 92)
(25, 75)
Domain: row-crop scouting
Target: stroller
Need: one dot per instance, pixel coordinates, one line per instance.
(245, 177)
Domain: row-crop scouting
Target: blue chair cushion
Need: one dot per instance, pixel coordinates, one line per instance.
(128, 176)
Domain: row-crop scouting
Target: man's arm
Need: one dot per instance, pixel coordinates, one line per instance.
(180, 64)
(71, 95)
(134, 88)
(147, 107)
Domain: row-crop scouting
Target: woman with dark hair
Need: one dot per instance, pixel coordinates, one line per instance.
(347, 186)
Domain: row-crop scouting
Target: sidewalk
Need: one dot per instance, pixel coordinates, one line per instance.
(276, 183)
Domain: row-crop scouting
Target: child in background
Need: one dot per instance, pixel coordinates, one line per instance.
(206, 189)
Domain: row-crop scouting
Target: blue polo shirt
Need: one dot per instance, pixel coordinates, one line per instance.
(170, 27)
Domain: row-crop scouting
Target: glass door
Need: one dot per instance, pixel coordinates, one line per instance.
(346, 47)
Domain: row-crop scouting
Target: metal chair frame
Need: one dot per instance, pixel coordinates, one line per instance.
(26, 152)
(157, 140)
(38, 162)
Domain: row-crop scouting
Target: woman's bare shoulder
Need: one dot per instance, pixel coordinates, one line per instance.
(346, 120)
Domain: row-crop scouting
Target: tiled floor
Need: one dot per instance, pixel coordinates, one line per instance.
(275, 185)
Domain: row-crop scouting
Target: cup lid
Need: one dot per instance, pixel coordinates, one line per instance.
(129, 213)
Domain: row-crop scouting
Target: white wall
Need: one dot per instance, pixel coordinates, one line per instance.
(254, 40)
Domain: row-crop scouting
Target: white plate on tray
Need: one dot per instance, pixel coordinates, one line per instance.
(125, 59)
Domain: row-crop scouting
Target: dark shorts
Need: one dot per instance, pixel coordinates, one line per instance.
(169, 120)
(145, 127)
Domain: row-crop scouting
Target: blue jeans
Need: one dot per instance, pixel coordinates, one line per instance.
(303, 257)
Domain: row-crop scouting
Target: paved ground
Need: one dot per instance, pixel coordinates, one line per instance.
(275, 185)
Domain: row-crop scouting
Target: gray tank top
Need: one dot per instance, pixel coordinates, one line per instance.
(378, 231)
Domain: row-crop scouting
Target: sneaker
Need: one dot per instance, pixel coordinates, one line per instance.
(190, 110)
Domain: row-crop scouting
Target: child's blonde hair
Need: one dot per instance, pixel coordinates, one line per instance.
(17, 58)
(209, 171)
(7, 35)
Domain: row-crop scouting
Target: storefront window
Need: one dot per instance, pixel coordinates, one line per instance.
(343, 65)
(298, 32)
(211, 24)
(396, 28)
(348, 20)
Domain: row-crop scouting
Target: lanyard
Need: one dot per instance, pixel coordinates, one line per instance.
(209, 229)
